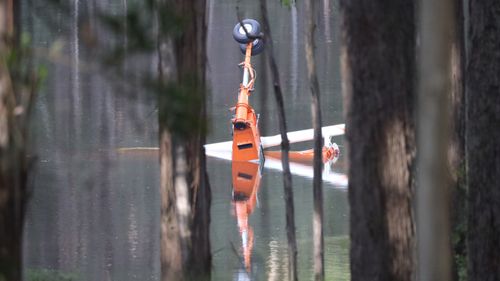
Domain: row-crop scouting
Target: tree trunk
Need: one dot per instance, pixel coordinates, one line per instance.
(457, 147)
(378, 66)
(13, 164)
(184, 183)
(433, 197)
(285, 147)
(12, 180)
(483, 139)
(171, 261)
(319, 270)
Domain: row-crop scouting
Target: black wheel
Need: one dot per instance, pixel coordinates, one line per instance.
(253, 28)
(257, 48)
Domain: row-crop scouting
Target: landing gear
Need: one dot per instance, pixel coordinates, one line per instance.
(252, 28)
(257, 47)
(246, 135)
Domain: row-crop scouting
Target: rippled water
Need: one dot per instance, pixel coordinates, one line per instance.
(94, 212)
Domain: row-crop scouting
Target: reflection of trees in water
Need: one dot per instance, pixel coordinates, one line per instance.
(294, 49)
(84, 189)
(81, 219)
(277, 263)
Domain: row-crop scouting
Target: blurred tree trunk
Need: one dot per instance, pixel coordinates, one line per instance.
(13, 163)
(378, 67)
(457, 147)
(483, 140)
(436, 28)
(8, 15)
(285, 147)
(319, 269)
(185, 192)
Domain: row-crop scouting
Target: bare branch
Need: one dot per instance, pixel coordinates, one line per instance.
(240, 20)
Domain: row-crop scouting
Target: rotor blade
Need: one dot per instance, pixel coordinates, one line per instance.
(303, 135)
(271, 141)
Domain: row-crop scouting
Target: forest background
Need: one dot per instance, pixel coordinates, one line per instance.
(421, 92)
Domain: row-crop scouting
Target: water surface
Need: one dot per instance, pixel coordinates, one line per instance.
(94, 211)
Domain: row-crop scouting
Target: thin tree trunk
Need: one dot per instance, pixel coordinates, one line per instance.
(433, 196)
(319, 270)
(12, 180)
(8, 16)
(378, 67)
(285, 147)
(13, 163)
(457, 147)
(483, 139)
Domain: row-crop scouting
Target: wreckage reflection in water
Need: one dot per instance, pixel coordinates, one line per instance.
(94, 212)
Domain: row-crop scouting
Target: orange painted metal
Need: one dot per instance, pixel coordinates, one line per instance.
(246, 182)
(306, 156)
(242, 107)
(246, 135)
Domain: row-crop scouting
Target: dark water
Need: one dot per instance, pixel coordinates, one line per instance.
(94, 212)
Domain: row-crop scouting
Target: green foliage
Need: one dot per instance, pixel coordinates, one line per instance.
(286, 3)
(170, 24)
(19, 63)
(136, 33)
(145, 22)
(26, 78)
(19, 60)
(461, 262)
(42, 72)
(49, 275)
(138, 27)
(179, 106)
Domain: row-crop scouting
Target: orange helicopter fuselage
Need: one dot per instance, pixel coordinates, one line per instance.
(246, 135)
